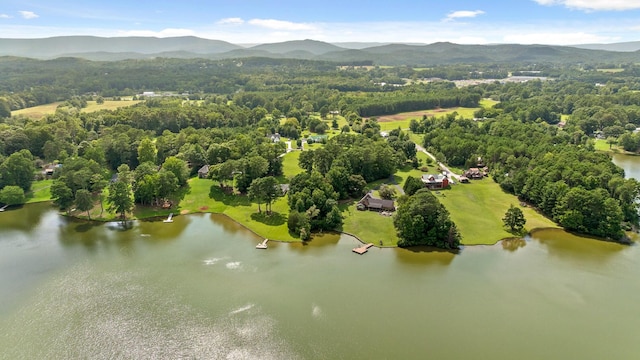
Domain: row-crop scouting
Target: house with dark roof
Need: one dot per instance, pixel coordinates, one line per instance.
(203, 173)
(368, 202)
(474, 173)
(433, 182)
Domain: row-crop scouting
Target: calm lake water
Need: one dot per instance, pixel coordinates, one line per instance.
(198, 289)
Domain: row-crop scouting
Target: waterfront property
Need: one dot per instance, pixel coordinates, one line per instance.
(369, 202)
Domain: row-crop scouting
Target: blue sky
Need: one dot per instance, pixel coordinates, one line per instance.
(560, 22)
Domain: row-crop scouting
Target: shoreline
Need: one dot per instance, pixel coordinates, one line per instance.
(530, 233)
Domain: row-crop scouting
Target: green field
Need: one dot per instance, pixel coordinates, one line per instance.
(612, 70)
(402, 120)
(477, 209)
(290, 166)
(38, 112)
(39, 191)
(239, 208)
(369, 226)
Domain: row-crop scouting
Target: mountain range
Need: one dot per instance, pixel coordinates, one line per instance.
(120, 48)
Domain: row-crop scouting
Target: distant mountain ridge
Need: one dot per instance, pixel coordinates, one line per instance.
(121, 48)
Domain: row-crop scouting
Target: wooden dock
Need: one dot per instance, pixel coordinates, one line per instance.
(362, 249)
(169, 219)
(262, 245)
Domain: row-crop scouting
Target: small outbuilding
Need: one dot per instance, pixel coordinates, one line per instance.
(203, 173)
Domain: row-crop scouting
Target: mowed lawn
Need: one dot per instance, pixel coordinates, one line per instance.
(39, 111)
(477, 209)
(40, 191)
(369, 226)
(239, 208)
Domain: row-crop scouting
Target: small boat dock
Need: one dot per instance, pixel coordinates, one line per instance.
(263, 244)
(4, 207)
(362, 249)
(169, 219)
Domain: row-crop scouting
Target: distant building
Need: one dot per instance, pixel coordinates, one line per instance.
(275, 137)
(433, 182)
(474, 173)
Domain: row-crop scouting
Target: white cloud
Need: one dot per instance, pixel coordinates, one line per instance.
(281, 25)
(28, 14)
(231, 21)
(594, 5)
(463, 14)
(4, 16)
(161, 33)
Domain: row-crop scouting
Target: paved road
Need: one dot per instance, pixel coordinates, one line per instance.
(441, 165)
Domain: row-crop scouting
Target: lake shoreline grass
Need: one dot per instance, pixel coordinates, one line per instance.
(364, 226)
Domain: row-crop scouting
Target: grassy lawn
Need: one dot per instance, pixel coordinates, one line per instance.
(369, 226)
(477, 209)
(487, 103)
(39, 111)
(39, 191)
(602, 145)
(92, 106)
(290, 166)
(239, 208)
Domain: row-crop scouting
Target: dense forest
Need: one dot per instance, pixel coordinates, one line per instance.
(537, 141)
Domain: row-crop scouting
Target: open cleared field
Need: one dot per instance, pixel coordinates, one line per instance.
(39, 191)
(612, 70)
(38, 112)
(402, 120)
(477, 209)
(602, 145)
(290, 166)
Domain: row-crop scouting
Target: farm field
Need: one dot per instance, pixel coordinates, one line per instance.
(39, 111)
(402, 120)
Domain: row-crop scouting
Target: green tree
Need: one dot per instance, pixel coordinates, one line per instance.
(167, 184)
(98, 183)
(146, 189)
(265, 189)
(299, 225)
(84, 201)
(412, 185)
(12, 195)
(120, 199)
(178, 167)
(147, 151)
(387, 192)
(5, 110)
(514, 218)
(422, 220)
(305, 161)
(18, 170)
(61, 194)
(223, 172)
(251, 168)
